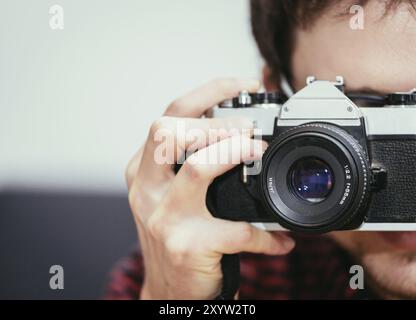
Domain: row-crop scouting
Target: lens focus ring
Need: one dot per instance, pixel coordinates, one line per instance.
(315, 178)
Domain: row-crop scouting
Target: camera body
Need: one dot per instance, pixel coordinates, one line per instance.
(330, 165)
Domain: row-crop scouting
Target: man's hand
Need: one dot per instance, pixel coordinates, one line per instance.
(182, 243)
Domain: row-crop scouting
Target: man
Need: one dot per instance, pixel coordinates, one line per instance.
(182, 244)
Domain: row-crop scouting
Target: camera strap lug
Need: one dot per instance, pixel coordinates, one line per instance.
(378, 179)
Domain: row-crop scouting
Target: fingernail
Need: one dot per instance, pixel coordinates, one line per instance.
(286, 242)
(258, 148)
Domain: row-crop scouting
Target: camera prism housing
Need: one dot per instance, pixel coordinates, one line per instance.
(330, 164)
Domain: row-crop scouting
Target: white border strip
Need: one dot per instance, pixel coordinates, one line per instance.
(363, 227)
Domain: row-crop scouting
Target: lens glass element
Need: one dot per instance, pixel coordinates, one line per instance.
(311, 179)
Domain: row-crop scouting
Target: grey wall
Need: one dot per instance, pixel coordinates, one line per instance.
(75, 104)
(85, 234)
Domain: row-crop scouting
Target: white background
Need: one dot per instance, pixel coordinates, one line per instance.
(76, 104)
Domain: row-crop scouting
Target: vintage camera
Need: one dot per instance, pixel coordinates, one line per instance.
(334, 162)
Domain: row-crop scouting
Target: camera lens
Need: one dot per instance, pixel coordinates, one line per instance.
(315, 178)
(311, 179)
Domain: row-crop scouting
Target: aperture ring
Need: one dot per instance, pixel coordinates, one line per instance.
(360, 163)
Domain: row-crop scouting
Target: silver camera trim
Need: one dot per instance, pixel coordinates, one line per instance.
(333, 106)
(329, 101)
(370, 226)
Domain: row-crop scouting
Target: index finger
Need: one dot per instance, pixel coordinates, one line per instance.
(198, 101)
(198, 171)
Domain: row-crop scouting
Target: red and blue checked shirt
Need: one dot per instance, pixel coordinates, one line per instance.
(316, 269)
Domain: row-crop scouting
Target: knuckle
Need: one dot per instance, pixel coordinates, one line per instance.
(135, 206)
(246, 232)
(129, 173)
(140, 203)
(155, 227)
(193, 170)
(132, 197)
(132, 167)
(163, 123)
(175, 106)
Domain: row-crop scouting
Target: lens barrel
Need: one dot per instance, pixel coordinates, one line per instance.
(315, 178)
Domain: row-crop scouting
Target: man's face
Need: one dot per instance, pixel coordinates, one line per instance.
(380, 58)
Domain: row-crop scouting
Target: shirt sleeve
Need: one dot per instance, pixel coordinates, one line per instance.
(126, 279)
